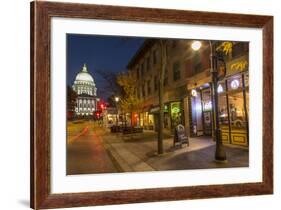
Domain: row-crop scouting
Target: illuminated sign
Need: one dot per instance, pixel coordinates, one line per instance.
(175, 110)
(156, 109)
(175, 107)
(194, 93)
(220, 89)
(234, 84)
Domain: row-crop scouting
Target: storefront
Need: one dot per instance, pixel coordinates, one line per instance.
(234, 108)
(233, 105)
(176, 114)
(201, 111)
(146, 120)
(172, 115)
(155, 112)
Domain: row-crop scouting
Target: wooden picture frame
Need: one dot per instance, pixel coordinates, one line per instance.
(41, 14)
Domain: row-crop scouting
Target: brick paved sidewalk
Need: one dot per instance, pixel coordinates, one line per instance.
(138, 152)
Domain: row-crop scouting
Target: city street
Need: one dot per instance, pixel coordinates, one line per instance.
(86, 153)
(93, 149)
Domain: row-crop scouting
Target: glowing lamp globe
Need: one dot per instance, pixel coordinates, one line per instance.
(196, 45)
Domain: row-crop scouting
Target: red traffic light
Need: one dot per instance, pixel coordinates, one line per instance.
(101, 105)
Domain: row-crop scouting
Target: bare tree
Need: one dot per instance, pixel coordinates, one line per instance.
(110, 78)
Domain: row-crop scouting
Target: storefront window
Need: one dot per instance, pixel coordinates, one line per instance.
(236, 104)
(222, 104)
(196, 114)
(246, 79)
(207, 107)
(175, 113)
(150, 120)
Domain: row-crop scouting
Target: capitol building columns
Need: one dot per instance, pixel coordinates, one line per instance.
(85, 87)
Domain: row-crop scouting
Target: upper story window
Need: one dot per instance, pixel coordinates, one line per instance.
(166, 77)
(176, 71)
(138, 94)
(155, 83)
(154, 57)
(147, 63)
(239, 49)
(148, 87)
(197, 64)
(138, 72)
(142, 69)
(143, 90)
(174, 43)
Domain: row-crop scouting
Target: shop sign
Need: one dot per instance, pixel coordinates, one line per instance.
(175, 107)
(220, 89)
(234, 84)
(157, 108)
(193, 92)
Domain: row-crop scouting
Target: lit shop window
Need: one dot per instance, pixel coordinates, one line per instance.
(236, 102)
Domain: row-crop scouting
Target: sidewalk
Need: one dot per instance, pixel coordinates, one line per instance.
(139, 153)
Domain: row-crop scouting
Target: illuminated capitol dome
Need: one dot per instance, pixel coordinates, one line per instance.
(85, 87)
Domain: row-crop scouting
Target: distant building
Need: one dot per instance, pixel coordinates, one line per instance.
(85, 87)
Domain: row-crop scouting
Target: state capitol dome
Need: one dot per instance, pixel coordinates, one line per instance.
(84, 83)
(84, 76)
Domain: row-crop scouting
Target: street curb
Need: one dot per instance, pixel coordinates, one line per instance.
(118, 161)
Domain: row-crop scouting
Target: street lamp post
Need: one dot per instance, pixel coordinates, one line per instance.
(116, 101)
(220, 155)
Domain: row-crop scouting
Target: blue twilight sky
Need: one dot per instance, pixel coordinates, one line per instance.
(110, 53)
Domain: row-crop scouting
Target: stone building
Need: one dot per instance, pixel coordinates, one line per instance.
(85, 87)
(187, 89)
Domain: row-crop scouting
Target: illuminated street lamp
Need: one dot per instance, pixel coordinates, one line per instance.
(116, 98)
(220, 154)
(196, 45)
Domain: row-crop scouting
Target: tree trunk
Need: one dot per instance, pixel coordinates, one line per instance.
(161, 93)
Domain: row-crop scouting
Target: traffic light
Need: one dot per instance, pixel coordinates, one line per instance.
(97, 115)
(101, 105)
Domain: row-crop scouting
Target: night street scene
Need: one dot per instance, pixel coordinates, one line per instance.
(154, 104)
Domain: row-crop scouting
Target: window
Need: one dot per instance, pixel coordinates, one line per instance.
(246, 85)
(176, 71)
(138, 73)
(147, 63)
(239, 49)
(237, 112)
(143, 90)
(154, 57)
(174, 43)
(156, 83)
(148, 87)
(222, 106)
(138, 94)
(197, 65)
(166, 77)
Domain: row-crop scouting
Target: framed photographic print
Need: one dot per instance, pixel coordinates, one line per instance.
(139, 105)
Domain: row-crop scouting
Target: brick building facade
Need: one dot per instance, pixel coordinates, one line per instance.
(187, 92)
